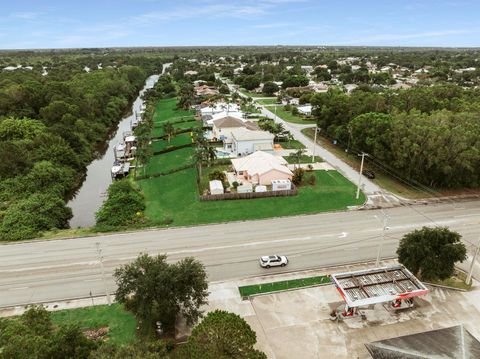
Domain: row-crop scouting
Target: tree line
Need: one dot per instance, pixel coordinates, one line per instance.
(429, 134)
(50, 129)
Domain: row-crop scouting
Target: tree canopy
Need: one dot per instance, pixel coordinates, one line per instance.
(222, 335)
(156, 291)
(431, 253)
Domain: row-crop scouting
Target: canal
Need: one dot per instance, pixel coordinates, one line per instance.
(91, 195)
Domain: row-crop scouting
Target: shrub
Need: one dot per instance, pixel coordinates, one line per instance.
(287, 107)
(295, 110)
(298, 174)
(217, 175)
(123, 207)
(312, 180)
(26, 218)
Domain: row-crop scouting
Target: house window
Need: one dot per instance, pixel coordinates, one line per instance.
(240, 173)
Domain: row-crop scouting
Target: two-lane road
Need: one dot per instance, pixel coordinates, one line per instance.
(62, 269)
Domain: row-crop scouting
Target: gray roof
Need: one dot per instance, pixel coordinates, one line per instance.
(453, 342)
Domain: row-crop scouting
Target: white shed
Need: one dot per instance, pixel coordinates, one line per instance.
(261, 188)
(281, 185)
(216, 187)
(245, 188)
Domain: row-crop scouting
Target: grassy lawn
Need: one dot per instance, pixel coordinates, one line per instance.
(250, 94)
(178, 140)
(158, 131)
(204, 181)
(121, 324)
(249, 108)
(287, 116)
(166, 110)
(170, 160)
(174, 197)
(457, 281)
(382, 179)
(291, 145)
(267, 101)
(247, 290)
(303, 159)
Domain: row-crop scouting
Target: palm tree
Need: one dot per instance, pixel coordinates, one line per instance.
(297, 155)
(199, 157)
(168, 129)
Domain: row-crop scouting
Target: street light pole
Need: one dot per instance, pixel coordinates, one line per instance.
(100, 259)
(470, 271)
(380, 246)
(360, 174)
(314, 144)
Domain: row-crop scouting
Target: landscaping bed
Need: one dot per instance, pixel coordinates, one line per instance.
(249, 290)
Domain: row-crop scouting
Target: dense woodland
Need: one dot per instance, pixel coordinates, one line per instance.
(50, 129)
(428, 134)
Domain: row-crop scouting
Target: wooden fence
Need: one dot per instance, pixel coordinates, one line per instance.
(250, 195)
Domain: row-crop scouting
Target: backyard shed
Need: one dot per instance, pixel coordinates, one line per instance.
(216, 187)
(281, 185)
(245, 188)
(261, 188)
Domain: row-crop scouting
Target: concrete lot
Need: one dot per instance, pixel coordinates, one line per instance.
(296, 324)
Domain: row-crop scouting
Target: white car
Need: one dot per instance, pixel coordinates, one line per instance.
(273, 261)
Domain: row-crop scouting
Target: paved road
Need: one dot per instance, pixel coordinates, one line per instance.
(63, 269)
(376, 195)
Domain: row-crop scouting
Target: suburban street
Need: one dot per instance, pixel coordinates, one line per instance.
(40, 271)
(376, 196)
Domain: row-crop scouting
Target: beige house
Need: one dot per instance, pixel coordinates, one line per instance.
(222, 127)
(261, 168)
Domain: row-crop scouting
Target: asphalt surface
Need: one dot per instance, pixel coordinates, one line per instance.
(41, 271)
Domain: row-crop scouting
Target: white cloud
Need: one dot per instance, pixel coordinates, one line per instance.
(26, 15)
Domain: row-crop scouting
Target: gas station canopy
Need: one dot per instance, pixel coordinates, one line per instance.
(378, 285)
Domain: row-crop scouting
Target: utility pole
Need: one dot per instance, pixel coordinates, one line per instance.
(384, 228)
(100, 259)
(314, 144)
(470, 271)
(360, 174)
(275, 114)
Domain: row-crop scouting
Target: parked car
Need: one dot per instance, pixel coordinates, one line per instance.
(368, 174)
(273, 261)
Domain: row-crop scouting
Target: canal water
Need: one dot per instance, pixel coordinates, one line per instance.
(92, 194)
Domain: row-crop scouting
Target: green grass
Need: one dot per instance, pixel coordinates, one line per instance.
(456, 281)
(248, 290)
(121, 323)
(174, 197)
(250, 94)
(303, 159)
(267, 101)
(287, 116)
(170, 160)
(292, 144)
(166, 110)
(249, 108)
(178, 140)
(158, 131)
(382, 179)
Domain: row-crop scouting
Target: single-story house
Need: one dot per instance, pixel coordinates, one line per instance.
(261, 168)
(245, 141)
(305, 110)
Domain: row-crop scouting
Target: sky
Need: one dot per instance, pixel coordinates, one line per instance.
(112, 23)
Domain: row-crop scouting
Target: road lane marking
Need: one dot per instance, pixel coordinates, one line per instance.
(19, 288)
(92, 280)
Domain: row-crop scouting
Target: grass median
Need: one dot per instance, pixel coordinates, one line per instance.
(248, 290)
